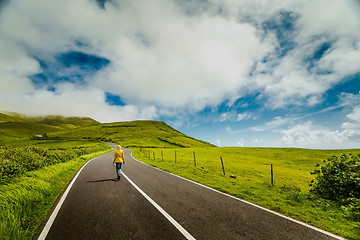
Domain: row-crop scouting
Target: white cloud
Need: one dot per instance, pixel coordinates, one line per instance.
(243, 116)
(310, 136)
(355, 114)
(165, 62)
(69, 100)
(231, 131)
(277, 122)
(240, 143)
(258, 141)
(292, 79)
(225, 116)
(233, 116)
(158, 55)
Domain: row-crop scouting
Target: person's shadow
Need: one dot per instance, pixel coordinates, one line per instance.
(103, 180)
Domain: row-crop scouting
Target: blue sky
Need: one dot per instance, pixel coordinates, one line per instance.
(233, 73)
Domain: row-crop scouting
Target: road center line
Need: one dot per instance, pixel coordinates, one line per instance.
(162, 211)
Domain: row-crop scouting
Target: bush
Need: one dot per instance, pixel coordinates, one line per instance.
(338, 179)
(15, 161)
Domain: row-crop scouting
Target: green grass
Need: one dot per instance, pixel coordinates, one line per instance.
(151, 134)
(25, 203)
(14, 127)
(289, 195)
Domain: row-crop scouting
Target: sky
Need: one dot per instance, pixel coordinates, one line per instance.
(247, 73)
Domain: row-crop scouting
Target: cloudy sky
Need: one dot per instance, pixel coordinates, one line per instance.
(233, 73)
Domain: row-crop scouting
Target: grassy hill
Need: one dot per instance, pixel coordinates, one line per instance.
(151, 134)
(12, 131)
(14, 126)
(67, 122)
(8, 118)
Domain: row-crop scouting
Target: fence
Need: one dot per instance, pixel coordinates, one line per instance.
(178, 158)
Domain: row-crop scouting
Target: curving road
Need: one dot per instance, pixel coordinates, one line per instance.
(148, 203)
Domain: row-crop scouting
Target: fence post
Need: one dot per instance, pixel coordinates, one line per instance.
(175, 156)
(162, 156)
(194, 158)
(272, 175)
(222, 165)
(154, 155)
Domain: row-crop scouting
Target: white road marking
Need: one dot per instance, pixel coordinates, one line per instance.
(161, 210)
(51, 219)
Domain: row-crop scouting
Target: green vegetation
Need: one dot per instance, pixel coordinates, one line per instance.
(27, 200)
(151, 134)
(252, 167)
(15, 127)
(338, 179)
(15, 161)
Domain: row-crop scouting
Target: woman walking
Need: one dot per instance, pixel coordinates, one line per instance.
(119, 159)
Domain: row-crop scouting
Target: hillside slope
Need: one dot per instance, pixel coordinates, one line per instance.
(152, 134)
(67, 122)
(135, 134)
(14, 126)
(7, 118)
(23, 130)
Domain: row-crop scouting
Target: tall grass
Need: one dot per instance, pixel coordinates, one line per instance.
(26, 201)
(289, 195)
(15, 161)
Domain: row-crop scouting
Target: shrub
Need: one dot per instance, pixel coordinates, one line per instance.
(15, 161)
(338, 179)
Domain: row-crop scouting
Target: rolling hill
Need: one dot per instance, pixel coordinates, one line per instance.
(14, 127)
(151, 134)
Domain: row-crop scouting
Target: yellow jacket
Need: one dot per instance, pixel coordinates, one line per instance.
(119, 155)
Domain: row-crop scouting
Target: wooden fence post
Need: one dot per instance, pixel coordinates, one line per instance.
(222, 165)
(272, 175)
(194, 158)
(162, 156)
(175, 156)
(154, 155)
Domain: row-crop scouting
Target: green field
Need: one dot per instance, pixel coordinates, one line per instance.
(252, 167)
(40, 155)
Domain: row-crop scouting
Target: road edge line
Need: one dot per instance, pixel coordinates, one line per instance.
(252, 204)
(53, 215)
(161, 210)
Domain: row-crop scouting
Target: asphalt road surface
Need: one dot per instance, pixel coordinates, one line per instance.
(150, 204)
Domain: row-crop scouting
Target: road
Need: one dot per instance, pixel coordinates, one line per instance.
(148, 203)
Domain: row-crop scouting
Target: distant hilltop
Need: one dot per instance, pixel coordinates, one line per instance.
(146, 133)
